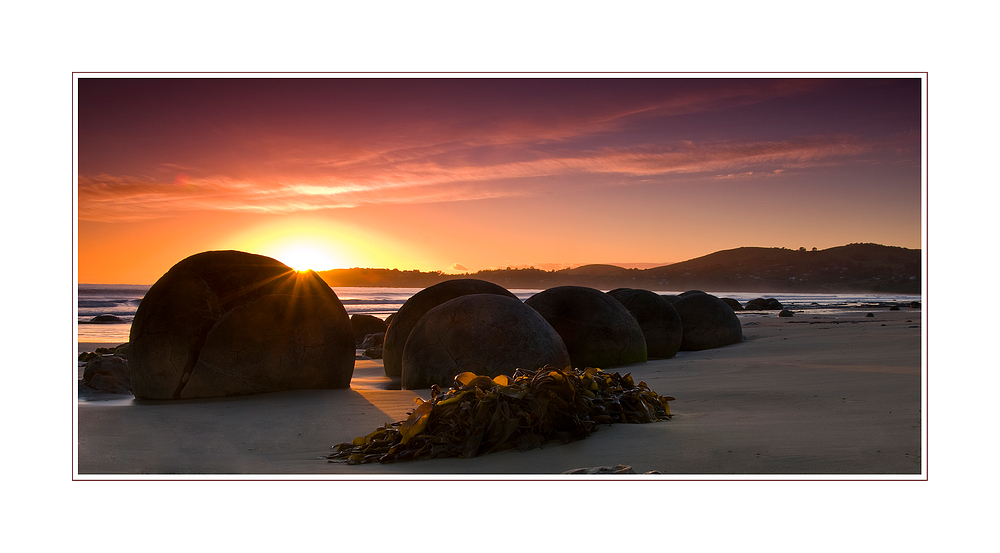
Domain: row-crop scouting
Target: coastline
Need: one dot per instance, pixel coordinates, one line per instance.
(807, 397)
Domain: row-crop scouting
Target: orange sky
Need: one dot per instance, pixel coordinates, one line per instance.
(466, 174)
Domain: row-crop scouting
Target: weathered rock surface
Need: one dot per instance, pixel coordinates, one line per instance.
(363, 325)
(226, 323)
(108, 374)
(786, 313)
(419, 304)
(708, 322)
(661, 325)
(487, 334)
(372, 340)
(597, 329)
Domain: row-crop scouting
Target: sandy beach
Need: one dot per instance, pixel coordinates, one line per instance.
(805, 397)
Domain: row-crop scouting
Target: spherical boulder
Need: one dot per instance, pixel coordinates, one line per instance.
(661, 325)
(764, 304)
(418, 305)
(486, 334)
(786, 313)
(225, 323)
(708, 322)
(735, 304)
(363, 325)
(597, 329)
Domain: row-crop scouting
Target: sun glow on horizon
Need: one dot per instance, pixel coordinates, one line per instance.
(305, 257)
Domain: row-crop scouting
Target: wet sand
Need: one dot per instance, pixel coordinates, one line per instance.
(812, 396)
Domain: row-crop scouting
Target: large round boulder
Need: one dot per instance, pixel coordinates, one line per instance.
(486, 334)
(363, 325)
(225, 323)
(708, 322)
(597, 329)
(659, 321)
(418, 305)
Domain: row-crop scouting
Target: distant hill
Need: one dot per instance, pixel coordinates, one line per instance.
(850, 268)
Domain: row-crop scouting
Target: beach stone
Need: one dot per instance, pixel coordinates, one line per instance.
(735, 304)
(418, 305)
(363, 325)
(597, 329)
(763, 304)
(894, 308)
(374, 352)
(661, 325)
(226, 323)
(108, 374)
(915, 305)
(708, 322)
(372, 340)
(487, 334)
(785, 313)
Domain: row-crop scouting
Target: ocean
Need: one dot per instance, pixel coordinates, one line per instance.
(121, 300)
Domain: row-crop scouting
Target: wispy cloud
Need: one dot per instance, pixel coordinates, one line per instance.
(443, 174)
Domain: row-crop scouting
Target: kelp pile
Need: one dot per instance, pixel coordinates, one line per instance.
(483, 415)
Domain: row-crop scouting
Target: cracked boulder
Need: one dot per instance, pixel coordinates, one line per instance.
(708, 321)
(487, 334)
(659, 321)
(597, 329)
(227, 323)
(413, 309)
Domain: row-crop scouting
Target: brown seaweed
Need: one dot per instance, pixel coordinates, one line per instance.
(480, 415)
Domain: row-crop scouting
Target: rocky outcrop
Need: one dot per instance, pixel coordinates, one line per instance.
(417, 306)
(487, 334)
(708, 322)
(661, 325)
(597, 329)
(226, 323)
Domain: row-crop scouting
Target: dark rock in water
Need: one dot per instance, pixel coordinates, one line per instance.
(363, 325)
(104, 319)
(708, 322)
(869, 315)
(785, 313)
(226, 323)
(419, 304)
(915, 305)
(372, 340)
(108, 374)
(488, 334)
(86, 356)
(733, 303)
(661, 325)
(597, 329)
(763, 304)
(894, 308)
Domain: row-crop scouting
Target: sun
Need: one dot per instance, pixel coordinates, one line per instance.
(304, 258)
